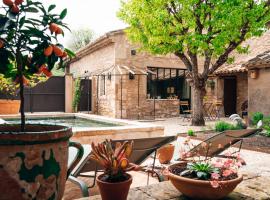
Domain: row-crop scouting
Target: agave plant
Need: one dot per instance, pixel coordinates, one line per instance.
(114, 160)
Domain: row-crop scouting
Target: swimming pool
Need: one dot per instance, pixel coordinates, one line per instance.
(74, 122)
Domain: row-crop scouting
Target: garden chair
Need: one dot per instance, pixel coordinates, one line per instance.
(185, 109)
(142, 149)
(221, 142)
(217, 109)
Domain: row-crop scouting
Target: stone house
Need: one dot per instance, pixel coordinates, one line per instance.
(127, 83)
(246, 80)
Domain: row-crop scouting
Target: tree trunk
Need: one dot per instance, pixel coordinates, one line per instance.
(197, 106)
(21, 81)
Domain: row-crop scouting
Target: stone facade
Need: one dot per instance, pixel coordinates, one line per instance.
(123, 97)
(259, 95)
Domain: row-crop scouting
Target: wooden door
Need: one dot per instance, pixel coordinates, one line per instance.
(230, 95)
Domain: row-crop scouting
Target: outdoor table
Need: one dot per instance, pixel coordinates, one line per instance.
(250, 189)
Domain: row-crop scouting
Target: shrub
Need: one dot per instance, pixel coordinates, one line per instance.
(256, 117)
(266, 125)
(223, 126)
(191, 133)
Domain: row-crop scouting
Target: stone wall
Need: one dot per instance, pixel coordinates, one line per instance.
(242, 91)
(99, 59)
(259, 93)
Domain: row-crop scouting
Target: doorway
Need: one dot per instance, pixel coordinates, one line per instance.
(230, 95)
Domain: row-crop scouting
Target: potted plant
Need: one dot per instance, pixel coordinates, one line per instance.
(33, 158)
(9, 104)
(205, 178)
(115, 182)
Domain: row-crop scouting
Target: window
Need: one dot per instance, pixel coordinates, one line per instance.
(166, 83)
(102, 82)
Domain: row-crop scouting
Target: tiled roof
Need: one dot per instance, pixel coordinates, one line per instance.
(257, 46)
(260, 60)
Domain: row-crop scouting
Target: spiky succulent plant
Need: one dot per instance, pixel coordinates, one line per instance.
(114, 160)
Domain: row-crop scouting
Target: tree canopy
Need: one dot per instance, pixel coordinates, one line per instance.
(191, 28)
(196, 31)
(80, 38)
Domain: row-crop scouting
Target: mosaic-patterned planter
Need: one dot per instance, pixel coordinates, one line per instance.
(33, 165)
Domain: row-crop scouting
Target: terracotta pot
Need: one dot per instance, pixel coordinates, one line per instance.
(165, 154)
(199, 189)
(110, 191)
(33, 164)
(8, 107)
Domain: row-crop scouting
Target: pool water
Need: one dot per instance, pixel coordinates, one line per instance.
(73, 122)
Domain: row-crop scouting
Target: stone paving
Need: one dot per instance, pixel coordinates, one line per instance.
(174, 126)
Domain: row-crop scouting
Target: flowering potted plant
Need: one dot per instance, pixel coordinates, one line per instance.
(205, 177)
(8, 103)
(33, 157)
(115, 182)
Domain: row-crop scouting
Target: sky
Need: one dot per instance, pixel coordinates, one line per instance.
(98, 15)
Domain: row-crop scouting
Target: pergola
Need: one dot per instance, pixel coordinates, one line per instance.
(121, 71)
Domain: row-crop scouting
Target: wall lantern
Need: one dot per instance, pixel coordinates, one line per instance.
(131, 76)
(254, 73)
(133, 52)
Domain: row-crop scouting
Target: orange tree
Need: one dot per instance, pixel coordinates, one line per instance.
(29, 42)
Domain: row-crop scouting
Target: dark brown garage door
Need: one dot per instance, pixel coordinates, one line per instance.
(46, 97)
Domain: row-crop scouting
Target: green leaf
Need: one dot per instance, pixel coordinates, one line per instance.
(31, 10)
(51, 7)
(70, 53)
(22, 21)
(63, 14)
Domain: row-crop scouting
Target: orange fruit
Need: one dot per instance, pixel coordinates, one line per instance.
(47, 72)
(58, 31)
(40, 70)
(48, 51)
(15, 9)
(53, 27)
(19, 2)
(64, 54)
(8, 2)
(1, 43)
(57, 51)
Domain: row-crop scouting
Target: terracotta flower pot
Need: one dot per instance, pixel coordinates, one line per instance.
(200, 189)
(165, 154)
(115, 191)
(33, 165)
(8, 107)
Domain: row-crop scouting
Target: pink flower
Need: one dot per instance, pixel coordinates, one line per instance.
(215, 176)
(227, 172)
(218, 164)
(238, 164)
(228, 163)
(214, 184)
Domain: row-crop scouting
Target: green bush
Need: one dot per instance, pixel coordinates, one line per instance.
(266, 125)
(191, 133)
(256, 117)
(223, 126)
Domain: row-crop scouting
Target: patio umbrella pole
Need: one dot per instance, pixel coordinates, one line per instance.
(138, 97)
(121, 96)
(97, 91)
(88, 94)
